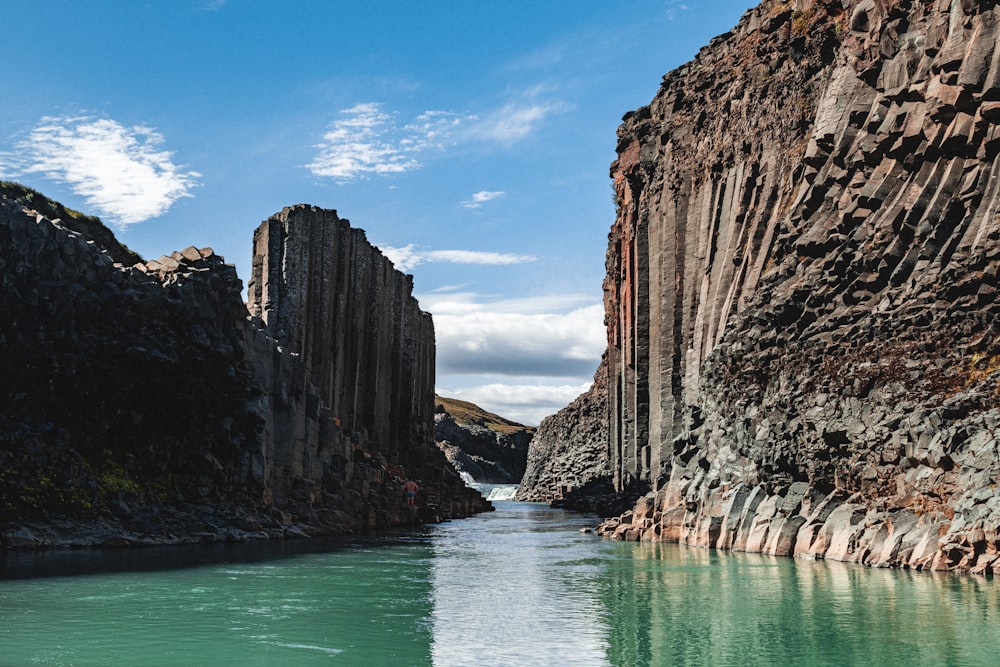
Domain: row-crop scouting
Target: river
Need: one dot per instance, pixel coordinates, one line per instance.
(519, 586)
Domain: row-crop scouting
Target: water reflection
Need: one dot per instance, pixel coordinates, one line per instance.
(516, 587)
(670, 604)
(519, 586)
(363, 604)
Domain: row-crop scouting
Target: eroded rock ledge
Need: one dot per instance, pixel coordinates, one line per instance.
(142, 404)
(801, 289)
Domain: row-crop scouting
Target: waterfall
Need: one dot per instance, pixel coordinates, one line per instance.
(490, 491)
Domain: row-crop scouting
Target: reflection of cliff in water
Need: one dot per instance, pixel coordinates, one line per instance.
(673, 604)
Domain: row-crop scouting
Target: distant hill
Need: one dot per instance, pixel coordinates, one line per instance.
(465, 412)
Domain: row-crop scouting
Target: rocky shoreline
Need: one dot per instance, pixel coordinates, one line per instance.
(201, 524)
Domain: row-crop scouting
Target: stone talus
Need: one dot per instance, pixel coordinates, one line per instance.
(801, 289)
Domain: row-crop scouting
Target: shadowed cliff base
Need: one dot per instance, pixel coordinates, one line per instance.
(142, 403)
(801, 289)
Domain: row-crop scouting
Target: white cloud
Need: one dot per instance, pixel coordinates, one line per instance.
(524, 403)
(523, 358)
(673, 6)
(367, 140)
(361, 143)
(551, 336)
(505, 343)
(513, 122)
(481, 197)
(434, 129)
(407, 257)
(118, 170)
(454, 301)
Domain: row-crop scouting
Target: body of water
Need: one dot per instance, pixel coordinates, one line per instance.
(519, 586)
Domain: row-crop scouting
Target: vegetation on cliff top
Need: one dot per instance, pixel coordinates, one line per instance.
(464, 412)
(89, 225)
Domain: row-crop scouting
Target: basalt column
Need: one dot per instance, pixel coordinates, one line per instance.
(801, 290)
(325, 293)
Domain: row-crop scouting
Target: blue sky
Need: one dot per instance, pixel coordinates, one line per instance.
(470, 139)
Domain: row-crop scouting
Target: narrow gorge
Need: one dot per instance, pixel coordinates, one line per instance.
(144, 403)
(801, 294)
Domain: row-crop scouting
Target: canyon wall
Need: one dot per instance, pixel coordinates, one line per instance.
(142, 404)
(570, 449)
(327, 296)
(800, 297)
(481, 444)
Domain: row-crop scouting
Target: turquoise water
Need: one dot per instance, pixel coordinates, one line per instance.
(520, 586)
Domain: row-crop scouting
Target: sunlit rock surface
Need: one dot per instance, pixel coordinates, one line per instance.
(485, 446)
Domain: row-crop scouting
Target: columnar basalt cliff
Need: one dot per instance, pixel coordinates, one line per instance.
(801, 286)
(326, 295)
(142, 405)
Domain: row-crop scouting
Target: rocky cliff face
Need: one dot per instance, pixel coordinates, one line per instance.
(141, 404)
(328, 297)
(801, 288)
(570, 450)
(487, 447)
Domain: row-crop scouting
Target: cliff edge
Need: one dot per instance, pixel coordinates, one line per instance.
(801, 289)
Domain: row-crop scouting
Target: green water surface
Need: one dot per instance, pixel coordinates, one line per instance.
(520, 586)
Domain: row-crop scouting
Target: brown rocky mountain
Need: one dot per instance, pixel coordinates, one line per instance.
(801, 289)
(143, 404)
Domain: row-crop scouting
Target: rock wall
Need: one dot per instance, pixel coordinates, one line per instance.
(325, 294)
(141, 405)
(570, 449)
(487, 447)
(488, 456)
(801, 288)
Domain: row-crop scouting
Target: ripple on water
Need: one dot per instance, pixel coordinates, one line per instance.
(518, 586)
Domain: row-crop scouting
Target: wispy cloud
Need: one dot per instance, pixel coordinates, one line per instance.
(360, 143)
(409, 256)
(366, 139)
(513, 122)
(120, 171)
(674, 6)
(481, 197)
